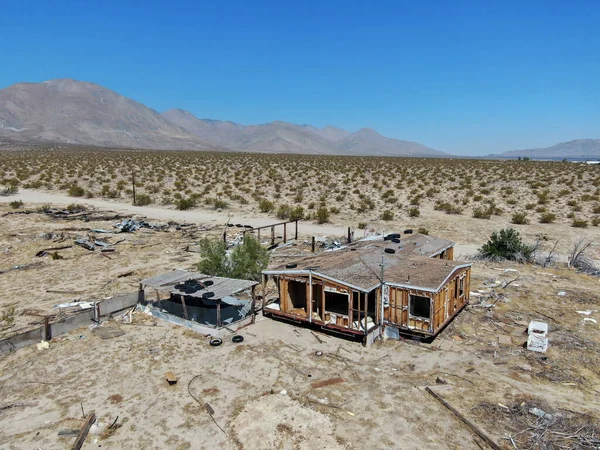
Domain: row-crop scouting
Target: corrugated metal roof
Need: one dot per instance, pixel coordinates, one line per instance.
(221, 287)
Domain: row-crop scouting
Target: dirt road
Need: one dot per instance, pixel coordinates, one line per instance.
(156, 212)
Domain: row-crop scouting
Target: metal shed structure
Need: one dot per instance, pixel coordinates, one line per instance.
(408, 284)
(198, 301)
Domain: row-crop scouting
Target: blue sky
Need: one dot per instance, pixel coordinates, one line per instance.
(466, 77)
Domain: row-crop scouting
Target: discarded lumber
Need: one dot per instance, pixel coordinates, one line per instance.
(329, 382)
(317, 338)
(62, 247)
(126, 274)
(91, 418)
(464, 420)
(56, 291)
(24, 266)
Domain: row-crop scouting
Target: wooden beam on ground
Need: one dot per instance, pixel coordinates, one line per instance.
(464, 420)
(91, 418)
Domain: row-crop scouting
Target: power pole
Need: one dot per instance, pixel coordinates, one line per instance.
(133, 182)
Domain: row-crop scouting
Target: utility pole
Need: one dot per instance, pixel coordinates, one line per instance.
(133, 182)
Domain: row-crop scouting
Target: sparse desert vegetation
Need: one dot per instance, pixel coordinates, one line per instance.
(319, 188)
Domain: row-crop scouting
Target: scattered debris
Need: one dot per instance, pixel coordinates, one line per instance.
(84, 431)
(88, 245)
(329, 382)
(464, 420)
(43, 345)
(171, 378)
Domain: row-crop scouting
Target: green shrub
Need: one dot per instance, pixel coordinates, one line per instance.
(284, 212)
(76, 191)
(387, 215)
(265, 205)
(506, 244)
(481, 213)
(520, 218)
(247, 260)
(17, 204)
(547, 217)
(322, 215)
(219, 203)
(297, 213)
(214, 260)
(142, 200)
(185, 203)
(414, 212)
(579, 223)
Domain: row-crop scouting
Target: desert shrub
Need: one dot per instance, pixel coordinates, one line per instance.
(7, 318)
(311, 205)
(142, 200)
(596, 209)
(362, 225)
(247, 260)
(297, 213)
(448, 208)
(334, 210)
(547, 217)
(17, 204)
(387, 215)
(422, 230)
(596, 221)
(185, 203)
(519, 218)
(214, 260)
(414, 212)
(76, 191)
(529, 206)
(265, 205)
(322, 215)
(481, 213)
(284, 212)
(219, 203)
(579, 223)
(506, 244)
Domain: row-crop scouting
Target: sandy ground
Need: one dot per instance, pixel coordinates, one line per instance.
(261, 389)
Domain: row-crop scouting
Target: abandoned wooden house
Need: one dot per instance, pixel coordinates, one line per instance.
(373, 287)
(203, 303)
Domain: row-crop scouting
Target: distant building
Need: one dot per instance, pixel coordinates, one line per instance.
(593, 163)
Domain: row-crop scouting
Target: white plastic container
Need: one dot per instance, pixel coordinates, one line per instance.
(537, 328)
(537, 343)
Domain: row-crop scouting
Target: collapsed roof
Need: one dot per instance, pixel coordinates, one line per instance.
(359, 265)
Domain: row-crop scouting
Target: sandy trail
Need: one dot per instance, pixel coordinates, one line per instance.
(165, 214)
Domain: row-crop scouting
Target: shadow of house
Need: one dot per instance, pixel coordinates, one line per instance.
(374, 286)
(209, 305)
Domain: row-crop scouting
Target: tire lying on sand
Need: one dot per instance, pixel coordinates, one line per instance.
(215, 342)
(237, 339)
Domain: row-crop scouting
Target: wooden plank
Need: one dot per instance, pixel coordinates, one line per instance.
(91, 418)
(329, 382)
(185, 314)
(464, 420)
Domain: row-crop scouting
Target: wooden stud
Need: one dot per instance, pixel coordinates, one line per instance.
(91, 418)
(185, 314)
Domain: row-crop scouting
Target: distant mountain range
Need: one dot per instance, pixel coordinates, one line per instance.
(82, 113)
(577, 149)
